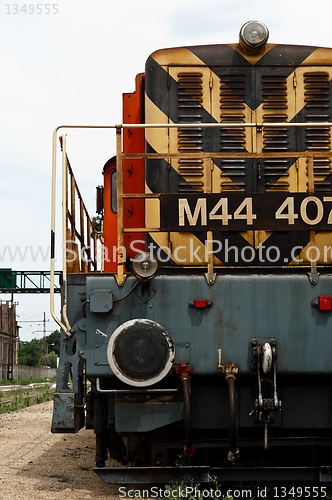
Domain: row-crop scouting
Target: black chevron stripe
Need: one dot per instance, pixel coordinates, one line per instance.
(160, 83)
(290, 56)
(279, 55)
(285, 241)
(160, 176)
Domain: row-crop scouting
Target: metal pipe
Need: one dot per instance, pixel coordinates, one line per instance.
(120, 276)
(277, 403)
(201, 125)
(53, 214)
(266, 436)
(187, 125)
(210, 275)
(233, 449)
(53, 194)
(64, 234)
(189, 450)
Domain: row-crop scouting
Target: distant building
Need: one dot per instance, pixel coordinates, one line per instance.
(9, 339)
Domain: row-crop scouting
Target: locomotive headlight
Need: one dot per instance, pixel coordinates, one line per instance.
(144, 266)
(253, 36)
(140, 352)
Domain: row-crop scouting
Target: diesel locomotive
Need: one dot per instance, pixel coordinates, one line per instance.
(204, 329)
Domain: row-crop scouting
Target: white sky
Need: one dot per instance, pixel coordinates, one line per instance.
(72, 67)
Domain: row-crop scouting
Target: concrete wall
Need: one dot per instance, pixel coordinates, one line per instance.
(20, 371)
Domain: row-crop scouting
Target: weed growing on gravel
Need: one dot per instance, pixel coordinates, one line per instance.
(255, 491)
(213, 491)
(192, 491)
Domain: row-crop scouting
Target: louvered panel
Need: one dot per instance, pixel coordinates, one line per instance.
(234, 172)
(274, 176)
(274, 91)
(317, 106)
(189, 104)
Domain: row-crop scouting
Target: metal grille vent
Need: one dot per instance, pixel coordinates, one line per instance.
(274, 174)
(317, 106)
(234, 172)
(190, 102)
(274, 90)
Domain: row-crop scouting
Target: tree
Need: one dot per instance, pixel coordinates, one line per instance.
(96, 224)
(52, 359)
(53, 342)
(30, 353)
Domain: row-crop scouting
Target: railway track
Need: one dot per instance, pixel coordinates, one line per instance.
(8, 401)
(15, 397)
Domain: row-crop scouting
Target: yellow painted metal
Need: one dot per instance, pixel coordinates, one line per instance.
(120, 276)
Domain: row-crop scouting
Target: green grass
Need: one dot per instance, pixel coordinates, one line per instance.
(26, 381)
(23, 397)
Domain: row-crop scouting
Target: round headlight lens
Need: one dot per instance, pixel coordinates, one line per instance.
(140, 352)
(253, 35)
(144, 265)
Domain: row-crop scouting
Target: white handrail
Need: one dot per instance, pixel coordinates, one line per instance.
(67, 327)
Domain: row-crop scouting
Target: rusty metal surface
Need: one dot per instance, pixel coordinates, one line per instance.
(67, 415)
(63, 416)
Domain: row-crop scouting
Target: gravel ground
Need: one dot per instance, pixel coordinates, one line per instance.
(37, 464)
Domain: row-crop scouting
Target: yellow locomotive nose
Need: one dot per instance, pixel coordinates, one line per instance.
(253, 36)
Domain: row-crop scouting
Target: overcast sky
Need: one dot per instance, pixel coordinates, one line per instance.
(71, 66)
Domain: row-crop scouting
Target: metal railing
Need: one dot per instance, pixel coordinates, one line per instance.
(81, 236)
(30, 282)
(69, 213)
